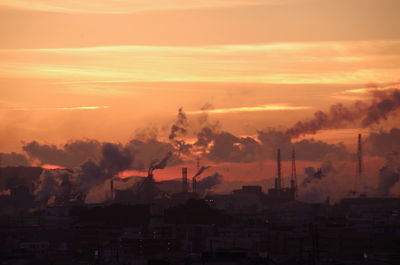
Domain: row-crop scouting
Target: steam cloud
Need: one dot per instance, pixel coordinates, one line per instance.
(383, 143)
(209, 182)
(389, 175)
(64, 185)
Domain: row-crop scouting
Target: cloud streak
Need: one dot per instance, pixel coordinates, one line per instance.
(129, 6)
(270, 107)
(278, 63)
(65, 108)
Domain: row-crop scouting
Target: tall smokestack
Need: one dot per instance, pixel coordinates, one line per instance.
(194, 185)
(279, 172)
(360, 166)
(194, 180)
(293, 179)
(112, 189)
(184, 180)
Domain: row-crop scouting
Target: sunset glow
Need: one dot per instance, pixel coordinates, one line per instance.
(109, 70)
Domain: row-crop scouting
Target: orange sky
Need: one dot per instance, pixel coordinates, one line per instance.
(105, 69)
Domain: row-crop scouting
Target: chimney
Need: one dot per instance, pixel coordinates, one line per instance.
(194, 183)
(359, 168)
(112, 189)
(184, 180)
(359, 157)
(279, 174)
(293, 179)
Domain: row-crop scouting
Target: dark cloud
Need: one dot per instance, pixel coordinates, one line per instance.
(146, 152)
(70, 155)
(13, 159)
(307, 149)
(205, 137)
(272, 140)
(312, 150)
(11, 177)
(115, 158)
(384, 142)
(229, 148)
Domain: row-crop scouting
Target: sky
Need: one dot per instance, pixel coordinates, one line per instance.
(109, 69)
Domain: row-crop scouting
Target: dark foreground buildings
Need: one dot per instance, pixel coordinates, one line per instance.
(150, 227)
(240, 228)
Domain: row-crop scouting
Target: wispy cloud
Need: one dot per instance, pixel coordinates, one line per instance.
(269, 107)
(63, 108)
(280, 63)
(129, 6)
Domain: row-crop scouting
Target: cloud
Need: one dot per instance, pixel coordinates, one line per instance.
(69, 155)
(13, 159)
(278, 63)
(384, 142)
(271, 107)
(128, 6)
(64, 108)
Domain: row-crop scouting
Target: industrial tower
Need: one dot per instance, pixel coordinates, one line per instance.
(293, 177)
(278, 180)
(359, 168)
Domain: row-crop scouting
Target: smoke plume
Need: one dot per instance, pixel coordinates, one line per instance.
(389, 175)
(179, 128)
(201, 170)
(159, 164)
(315, 174)
(62, 186)
(209, 182)
(381, 105)
(383, 143)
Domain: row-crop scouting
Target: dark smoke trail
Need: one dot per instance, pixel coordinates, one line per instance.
(382, 105)
(179, 126)
(209, 182)
(317, 174)
(201, 170)
(159, 165)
